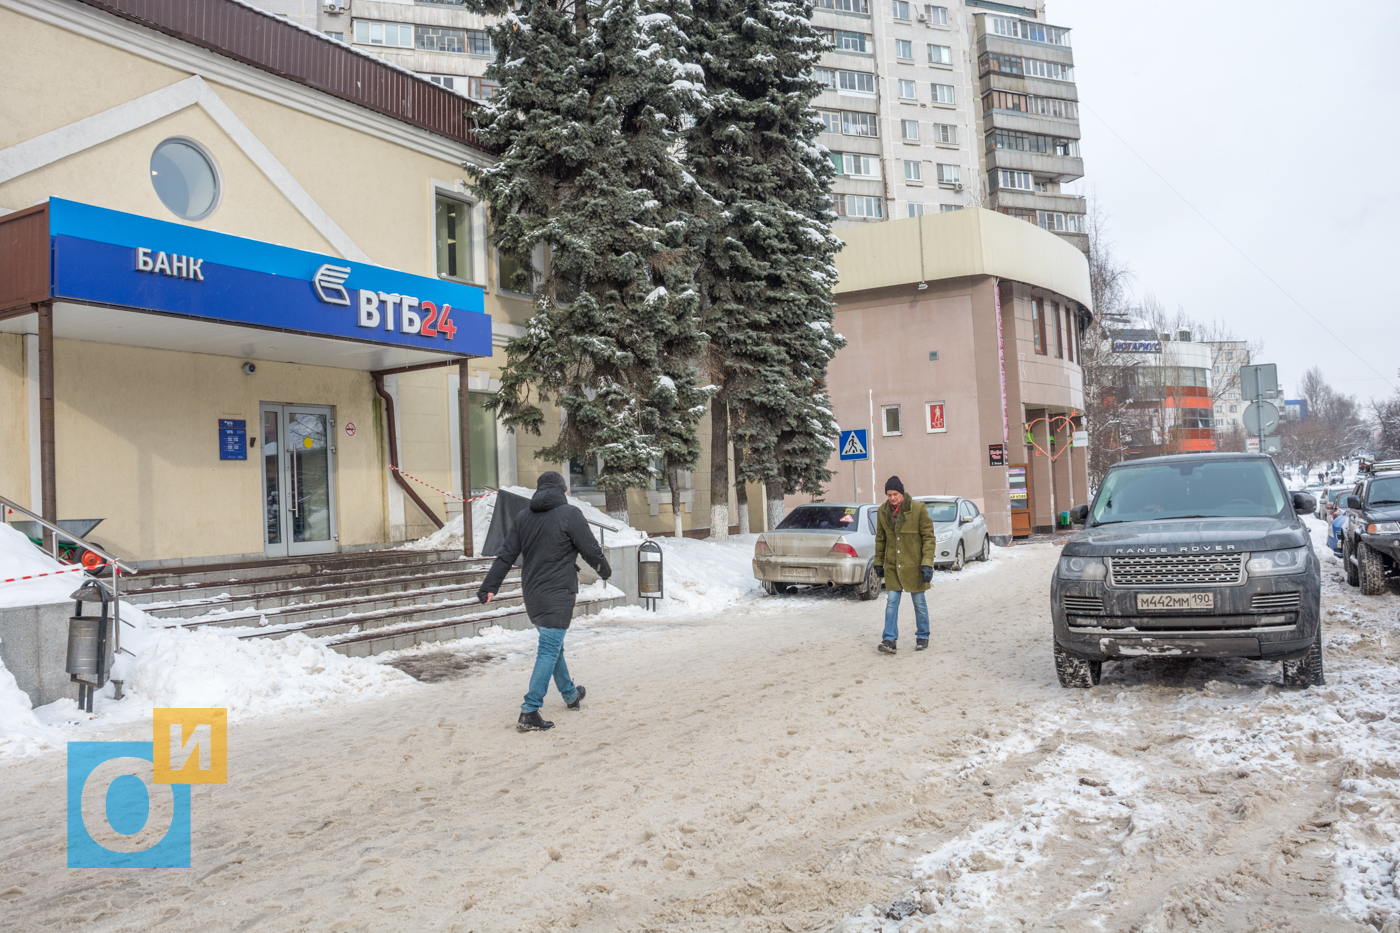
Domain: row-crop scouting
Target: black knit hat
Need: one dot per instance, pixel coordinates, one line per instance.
(550, 478)
(894, 483)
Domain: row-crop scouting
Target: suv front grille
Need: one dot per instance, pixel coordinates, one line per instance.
(1176, 570)
(1083, 603)
(1274, 602)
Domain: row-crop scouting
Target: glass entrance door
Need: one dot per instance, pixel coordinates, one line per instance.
(298, 480)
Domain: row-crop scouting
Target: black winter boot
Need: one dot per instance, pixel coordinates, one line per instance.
(920, 644)
(888, 647)
(533, 722)
(578, 699)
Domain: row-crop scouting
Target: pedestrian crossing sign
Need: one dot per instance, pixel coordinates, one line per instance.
(853, 446)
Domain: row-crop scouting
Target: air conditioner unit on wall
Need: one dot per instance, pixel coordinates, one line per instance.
(332, 6)
(923, 17)
(957, 186)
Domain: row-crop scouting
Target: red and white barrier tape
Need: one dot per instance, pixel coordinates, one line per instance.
(51, 573)
(450, 495)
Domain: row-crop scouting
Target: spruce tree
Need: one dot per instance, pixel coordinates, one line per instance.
(766, 273)
(586, 123)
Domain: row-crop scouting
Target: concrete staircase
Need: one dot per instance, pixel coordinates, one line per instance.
(357, 604)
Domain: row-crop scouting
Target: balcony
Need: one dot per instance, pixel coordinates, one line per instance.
(1029, 200)
(1045, 165)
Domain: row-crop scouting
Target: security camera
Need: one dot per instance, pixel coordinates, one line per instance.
(249, 369)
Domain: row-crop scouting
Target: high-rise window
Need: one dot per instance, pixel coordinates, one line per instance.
(859, 124)
(1018, 181)
(479, 42)
(915, 209)
(1052, 70)
(397, 35)
(903, 48)
(909, 129)
(853, 205)
(948, 174)
(1032, 142)
(1004, 100)
(913, 170)
(1059, 330)
(851, 41)
(945, 134)
(937, 15)
(942, 93)
(906, 90)
(440, 39)
(940, 54)
(1038, 324)
(856, 82)
(1069, 333)
(1029, 31)
(846, 6)
(948, 208)
(901, 9)
(826, 77)
(452, 233)
(831, 122)
(860, 166)
(989, 62)
(889, 417)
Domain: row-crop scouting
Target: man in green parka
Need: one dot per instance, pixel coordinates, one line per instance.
(904, 548)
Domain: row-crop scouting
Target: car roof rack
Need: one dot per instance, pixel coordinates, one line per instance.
(1377, 466)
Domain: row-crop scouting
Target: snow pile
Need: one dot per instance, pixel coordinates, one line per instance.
(613, 533)
(20, 558)
(703, 575)
(172, 667)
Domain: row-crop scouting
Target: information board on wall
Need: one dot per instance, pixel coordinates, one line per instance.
(996, 455)
(233, 439)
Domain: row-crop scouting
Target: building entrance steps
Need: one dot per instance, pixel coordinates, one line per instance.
(357, 605)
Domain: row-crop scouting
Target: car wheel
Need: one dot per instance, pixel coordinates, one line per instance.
(959, 558)
(1307, 670)
(1371, 569)
(985, 554)
(870, 588)
(1353, 575)
(1075, 671)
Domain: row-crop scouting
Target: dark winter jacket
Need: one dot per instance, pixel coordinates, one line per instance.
(548, 537)
(903, 544)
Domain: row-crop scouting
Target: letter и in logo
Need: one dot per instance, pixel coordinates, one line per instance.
(191, 746)
(118, 816)
(329, 282)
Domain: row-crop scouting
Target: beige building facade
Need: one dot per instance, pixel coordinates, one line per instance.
(961, 364)
(140, 394)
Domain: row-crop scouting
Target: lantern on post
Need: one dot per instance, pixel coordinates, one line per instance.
(649, 576)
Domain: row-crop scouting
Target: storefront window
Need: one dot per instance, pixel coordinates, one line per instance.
(452, 233)
(583, 475)
(184, 179)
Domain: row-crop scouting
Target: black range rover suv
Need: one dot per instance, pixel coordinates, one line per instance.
(1202, 556)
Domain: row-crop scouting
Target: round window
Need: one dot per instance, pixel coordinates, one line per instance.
(184, 178)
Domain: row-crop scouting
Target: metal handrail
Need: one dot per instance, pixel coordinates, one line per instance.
(118, 567)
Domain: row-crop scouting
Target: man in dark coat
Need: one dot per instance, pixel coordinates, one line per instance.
(548, 537)
(904, 549)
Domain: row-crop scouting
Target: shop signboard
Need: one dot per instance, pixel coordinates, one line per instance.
(996, 455)
(106, 257)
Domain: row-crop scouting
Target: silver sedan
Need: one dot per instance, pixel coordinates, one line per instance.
(961, 529)
(822, 544)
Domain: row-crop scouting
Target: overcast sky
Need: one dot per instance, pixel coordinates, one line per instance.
(1277, 121)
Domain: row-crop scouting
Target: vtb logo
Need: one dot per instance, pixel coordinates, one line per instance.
(129, 802)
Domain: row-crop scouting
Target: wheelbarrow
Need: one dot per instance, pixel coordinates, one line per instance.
(69, 551)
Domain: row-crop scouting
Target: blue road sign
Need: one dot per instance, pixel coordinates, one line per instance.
(853, 446)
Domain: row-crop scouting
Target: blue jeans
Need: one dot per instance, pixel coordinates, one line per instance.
(549, 662)
(892, 615)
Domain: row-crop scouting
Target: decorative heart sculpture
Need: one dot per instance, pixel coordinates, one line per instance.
(1053, 423)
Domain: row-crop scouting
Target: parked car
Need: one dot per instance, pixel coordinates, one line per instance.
(1371, 535)
(1326, 499)
(961, 530)
(1333, 502)
(1334, 533)
(1200, 555)
(821, 544)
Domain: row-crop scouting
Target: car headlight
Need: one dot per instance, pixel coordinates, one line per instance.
(945, 535)
(1083, 568)
(1383, 528)
(1270, 563)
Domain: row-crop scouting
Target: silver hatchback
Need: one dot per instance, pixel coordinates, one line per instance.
(961, 529)
(822, 544)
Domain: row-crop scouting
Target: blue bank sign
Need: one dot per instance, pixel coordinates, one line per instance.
(123, 260)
